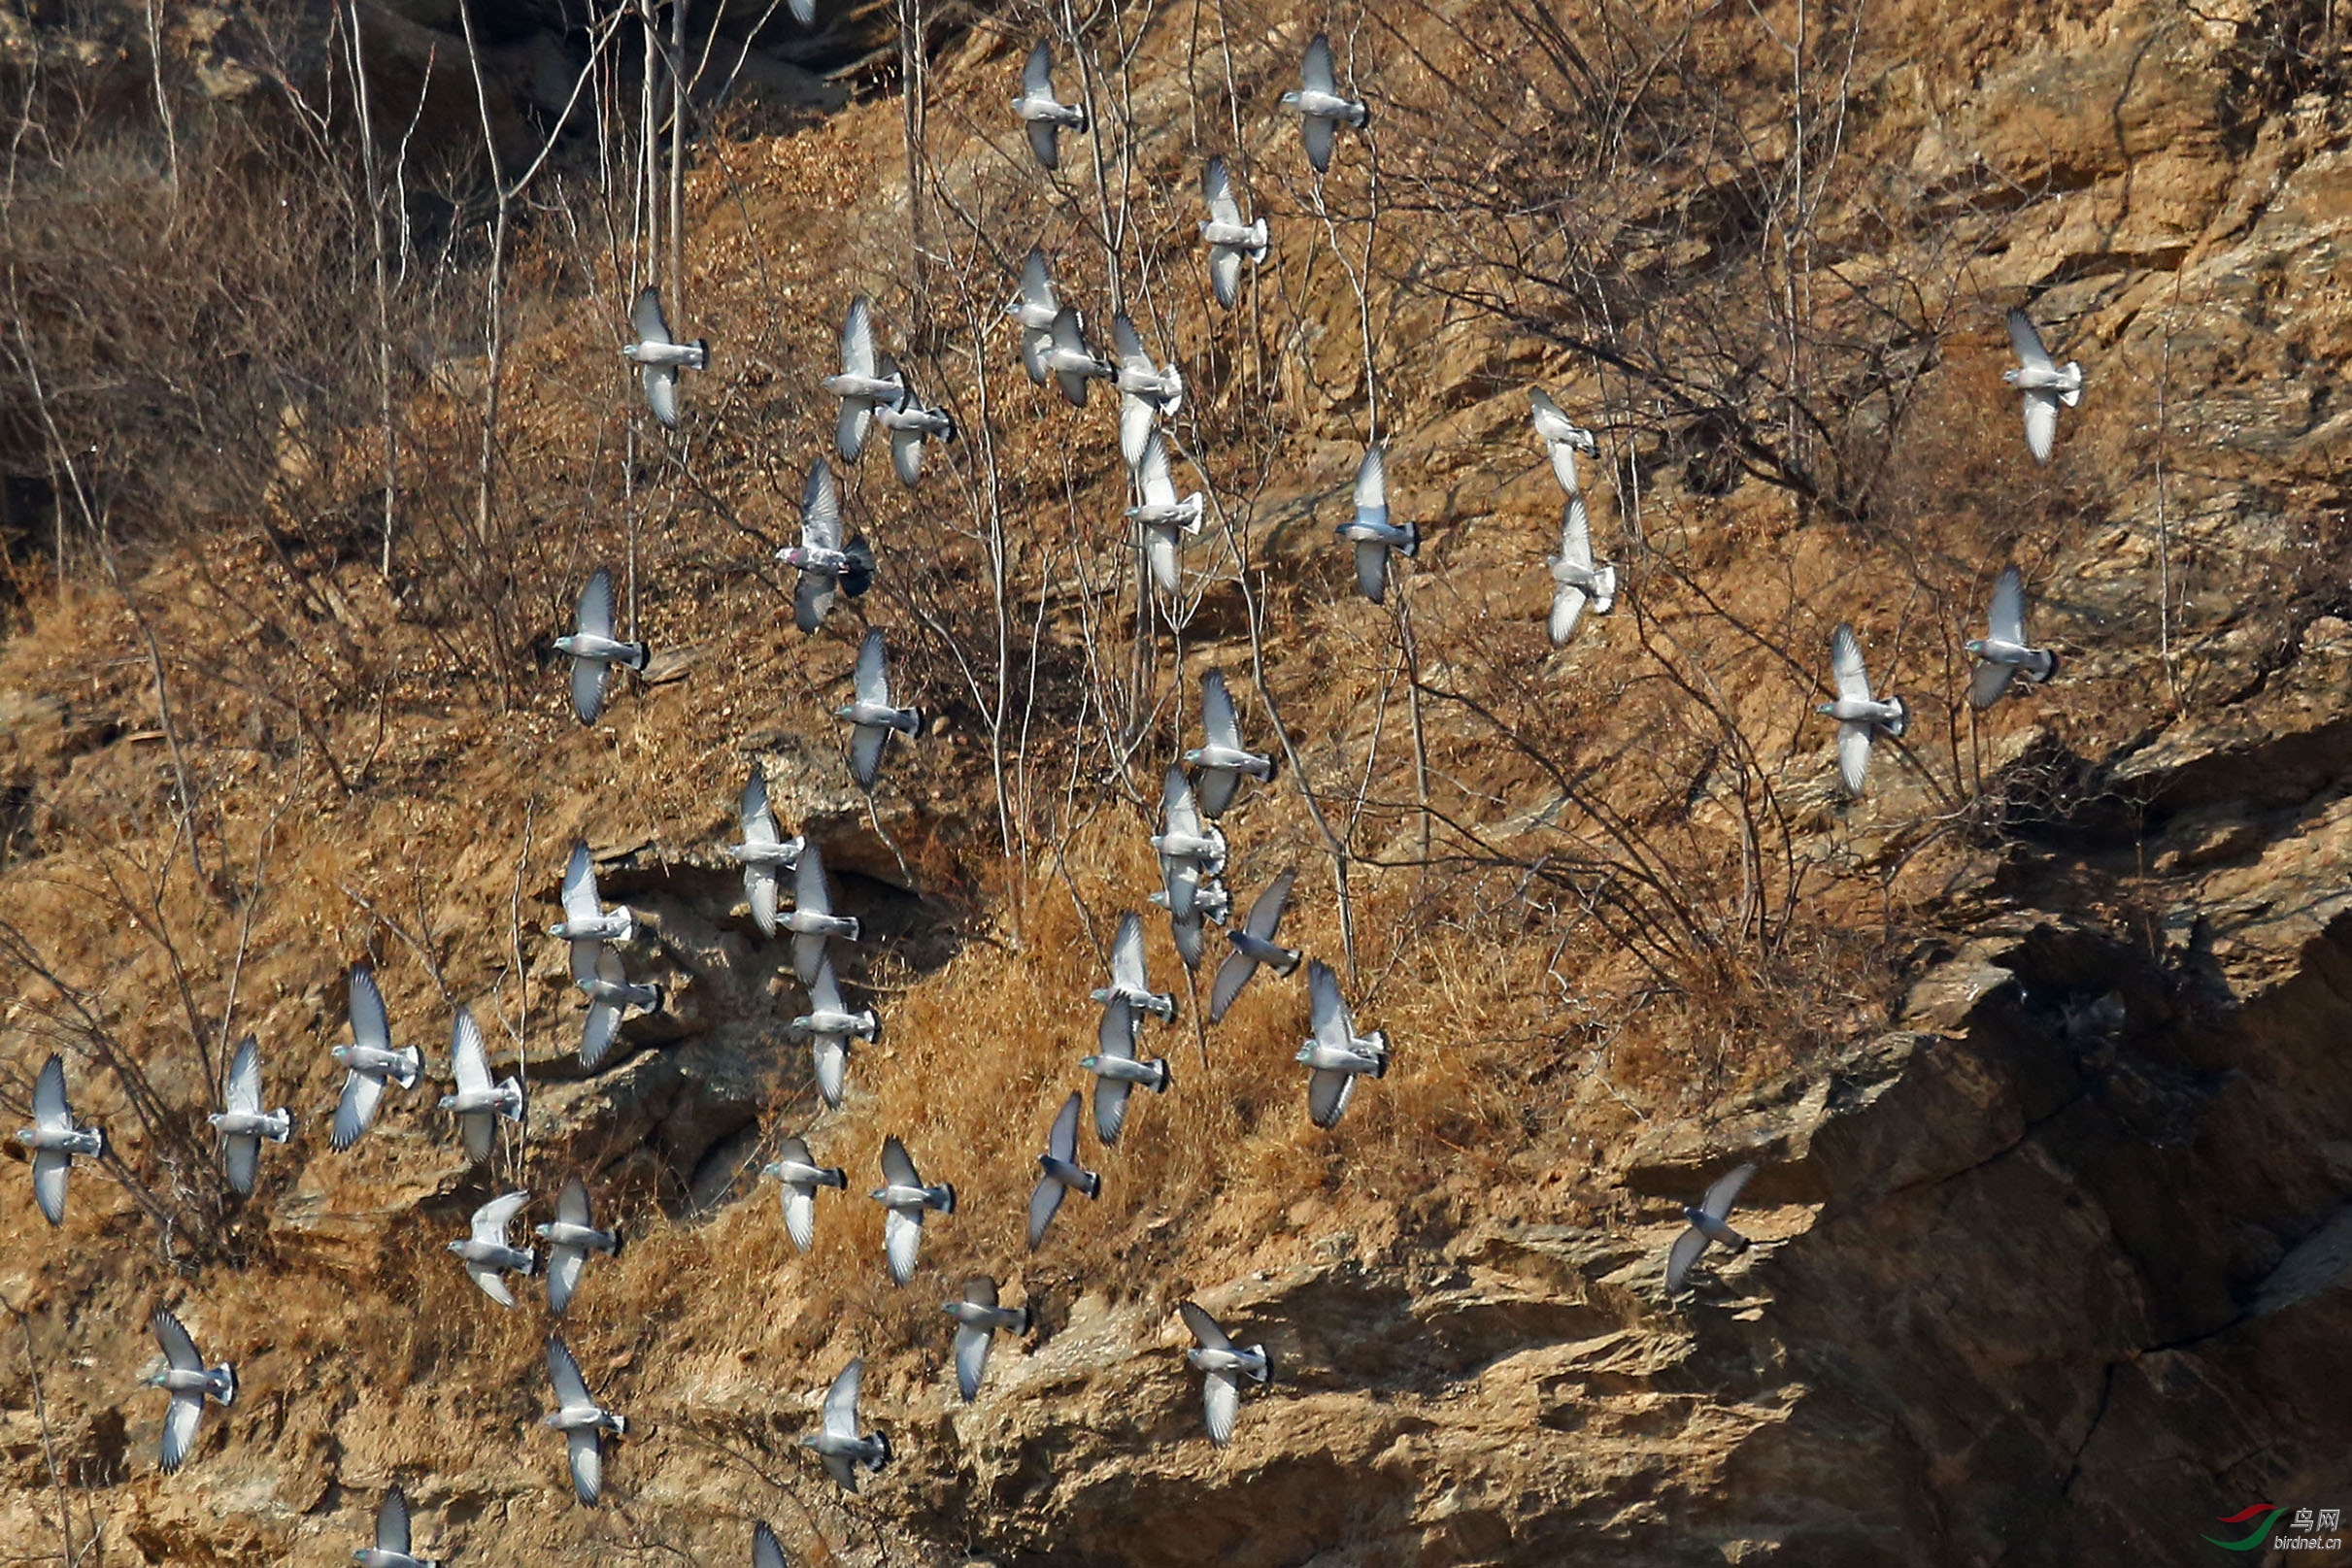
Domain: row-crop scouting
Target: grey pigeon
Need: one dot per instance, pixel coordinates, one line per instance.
(798, 1176)
(1220, 757)
(1189, 848)
(767, 1552)
(391, 1548)
(825, 563)
(1116, 1069)
(1208, 900)
(1371, 532)
(1318, 105)
(661, 355)
(487, 1253)
(1707, 1226)
(1165, 520)
(605, 983)
(911, 422)
(829, 1027)
(804, 11)
(2045, 384)
(1576, 581)
(1859, 715)
(243, 1125)
(586, 920)
(55, 1140)
(1069, 359)
(1336, 1054)
(764, 852)
(977, 1318)
(370, 1059)
(1227, 236)
(1037, 308)
(1254, 945)
(570, 1237)
(1062, 1172)
(478, 1102)
(871, 713)
(1563, 439)
(594, 648)
(190, 1382)
(837, 1438)
(861, 384)
(1147, 392)
(904, 1196)
(1131, 982)
(581, 1422)
(811, 918)
(1042, 116)
(1226, 1364)
(2003, 652)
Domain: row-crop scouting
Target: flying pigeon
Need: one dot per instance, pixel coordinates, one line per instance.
(606, 985)
(243, 1125)
(1070, 361)
(903, 1194)
(55, 1140)
(1254, 945)
(1037, 308)
(767, 1552)
(872, 712)
(486, 1252)
(581, 1422)
(1042, 115)
(977, 1318)
(1221, 757)
(811, 918)
(1147, 392)
(1563, 439)
(1336, 1054)
(1165, 520)
(1189, 849)
(829, 1027)
(478, 1102)
(911, 422)
(825, 563)
(1318, 105)
(860, 385)
(1371, 532)
(1130, 981)
(391, 1548)
(1227, 236)
(2003, 652)
(661, 355)
(2045, 384)
(1063, 1173)
(1707, 1226)
(838, 1442)
(1209, 901)
(1859, 716)
(1116, 1069)
(570, 1237)
(1226, 1363)
(798, 1176)
(190, 1382)
(1575, 581)
(585, 921)
(371, 1060)
(764, 852)
(594, 650)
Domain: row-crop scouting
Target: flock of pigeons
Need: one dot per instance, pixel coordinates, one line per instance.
(872, 390)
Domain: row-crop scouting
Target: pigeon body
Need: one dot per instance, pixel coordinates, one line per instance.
(826, 564)
(812, 919)
(1037, 308)
(2045, 384)
(54, 1140)
(870, 712)
(764, 852)
(1069, 359)
(478, 1102)
(1707, 1226)
(597, 971)
(190, 1382)
(1859, 715)
(837, 1438)
(391, 1548)
(570, 1237)
(1189, 848)
(1130, 979)
(243, 1125)
(1337, 1055)
(829, 1027)
(2004, 651)
(1371, 532)
(486, 1252)
(1207, 899)
(1221, 757)
(1147, 392)
(581, 1420)
(978, 1318)
(594, 650)
(1044, 116)
(1254, 945)
(1229, 240)
(1116, 1069)
(1318, 105)
(585, 916)
(798, 1176)
(371, 1060)
(1563, 439)
(1166, 519)
(1062, 1172)
(661, 355)
(905, 1196)
(911, 422)
(1226, 1364)
(1576, 581)
(861, 384)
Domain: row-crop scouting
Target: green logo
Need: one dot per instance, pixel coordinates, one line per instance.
(2255, 1537)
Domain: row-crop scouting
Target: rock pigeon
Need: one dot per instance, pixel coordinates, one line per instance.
(570, 1237)
(1063, 1173)
(871, 713)
(580, 1420)
(594, 650)
(1227, 1364)
(1147, 392)
(1042, 116)
(1338, 1056)
(1859, 716)
(1189, 849)
(606, 985)
(764, 852)
(478, 1102)
(1070, 361)
(829, 1027)
(860, 385)
(1131, 980)
(391, 1548)
(486, 1252)
(243, 1125)
(1563, 439)
(1576, 581)
(811, 918)
(1318, 105)
(977, 1318)
(1222, 758)
(837, 1439)
(1707, 1226)
(371, 1060)
(190, 1382)
(1116, 1069)
(661, 355)
(767, 1552)
(1227, 236)
(1166, 521)
(911, 422)
(825, 563)
(1371, 532)
(587, 923)
(905, 1197)
(1254, 945)
(2044, 384)
(2003, 652)
(798, 1176)
(1209, 901)
(55, 1140)
(1037, 308)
